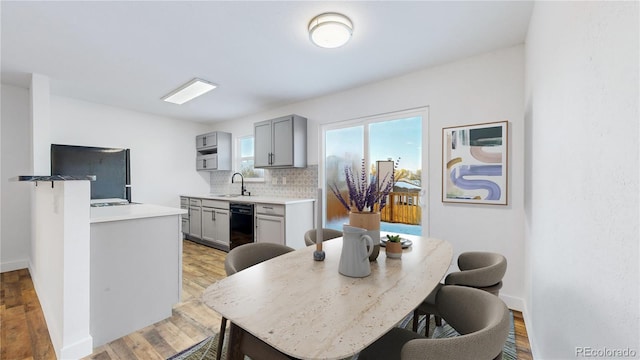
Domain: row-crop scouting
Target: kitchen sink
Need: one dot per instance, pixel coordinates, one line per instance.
(227, 195)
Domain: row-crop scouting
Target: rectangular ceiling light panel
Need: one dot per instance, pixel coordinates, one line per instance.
(189, 91)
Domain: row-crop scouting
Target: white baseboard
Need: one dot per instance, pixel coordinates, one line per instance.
(77, 350)
(514, 303)
(530, 333)
(14, 265)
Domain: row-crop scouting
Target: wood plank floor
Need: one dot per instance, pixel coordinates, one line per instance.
(24, 333)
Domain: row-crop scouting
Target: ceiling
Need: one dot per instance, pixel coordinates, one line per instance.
(131, 54)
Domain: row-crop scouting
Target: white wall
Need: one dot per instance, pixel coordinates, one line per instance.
(40, 95)
(162, 149)
(582, 178)
(483, 88)
(15, 197)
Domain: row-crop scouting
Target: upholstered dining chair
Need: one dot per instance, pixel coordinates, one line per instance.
(238, 259)
(481, 319)
(327, 234)
(481, 270)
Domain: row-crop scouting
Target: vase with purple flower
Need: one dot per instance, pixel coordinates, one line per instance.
(365, 201)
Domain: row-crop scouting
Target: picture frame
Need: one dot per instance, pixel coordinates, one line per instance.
(475, 163)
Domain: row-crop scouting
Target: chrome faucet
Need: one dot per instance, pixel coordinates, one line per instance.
(243, 190)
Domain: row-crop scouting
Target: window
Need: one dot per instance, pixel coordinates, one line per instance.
(397, 137)
(244, 162)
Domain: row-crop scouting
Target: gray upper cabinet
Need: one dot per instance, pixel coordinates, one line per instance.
(206, 141)
(213, 151)
(281, 142)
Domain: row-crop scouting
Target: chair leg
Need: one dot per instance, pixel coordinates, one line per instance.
(223, 327)
(416, 315)
(416, 320)
(438, 320)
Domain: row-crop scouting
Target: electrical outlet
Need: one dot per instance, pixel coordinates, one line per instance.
(284, 180)
(274, 181)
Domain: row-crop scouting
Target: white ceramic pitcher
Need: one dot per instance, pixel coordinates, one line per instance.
(354, 259)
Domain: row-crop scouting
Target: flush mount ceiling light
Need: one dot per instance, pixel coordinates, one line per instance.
(330, 30)
(189, 91)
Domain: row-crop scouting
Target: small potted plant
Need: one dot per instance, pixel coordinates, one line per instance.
(394, 247)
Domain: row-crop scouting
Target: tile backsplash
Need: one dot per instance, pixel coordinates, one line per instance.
(300, 183)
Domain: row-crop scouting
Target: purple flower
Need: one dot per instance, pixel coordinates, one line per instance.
(364, 196)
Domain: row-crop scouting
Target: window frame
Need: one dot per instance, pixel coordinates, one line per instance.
(239, 159)
(365, 121)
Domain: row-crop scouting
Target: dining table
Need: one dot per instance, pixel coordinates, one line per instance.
(306, 309)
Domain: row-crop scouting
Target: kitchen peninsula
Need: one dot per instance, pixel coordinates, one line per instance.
(136, 267)
(101, 272)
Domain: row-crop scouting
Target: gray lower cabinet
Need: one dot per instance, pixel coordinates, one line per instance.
(185, 225)
(270, 228)
(184, 204)
(284, 223)
(207, 221)
(215, 222)
(195, 218)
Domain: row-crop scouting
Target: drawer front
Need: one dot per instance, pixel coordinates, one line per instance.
(270, 209)
(218, 204)
(195, 202)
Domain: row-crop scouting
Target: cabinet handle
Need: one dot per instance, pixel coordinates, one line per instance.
(268, 207)
(204, 163)
(204, 141)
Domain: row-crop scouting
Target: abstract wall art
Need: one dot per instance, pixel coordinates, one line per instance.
(474, 163)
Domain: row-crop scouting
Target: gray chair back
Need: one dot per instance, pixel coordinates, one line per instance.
(244, 256)
(327, 234)
(479, 270)
(238, 259)
(481, 318)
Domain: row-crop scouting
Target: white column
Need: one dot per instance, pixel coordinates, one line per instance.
(60, 266)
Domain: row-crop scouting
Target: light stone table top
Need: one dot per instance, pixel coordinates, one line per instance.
(306, 309)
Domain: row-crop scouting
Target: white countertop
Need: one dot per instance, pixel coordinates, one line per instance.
(251, 199)
(131, 211)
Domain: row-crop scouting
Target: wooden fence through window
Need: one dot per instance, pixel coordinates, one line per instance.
(402, 207)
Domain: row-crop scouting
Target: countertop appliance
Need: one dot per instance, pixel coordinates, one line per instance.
(241, 224)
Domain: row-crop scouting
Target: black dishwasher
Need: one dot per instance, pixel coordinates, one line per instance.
(241, 224)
